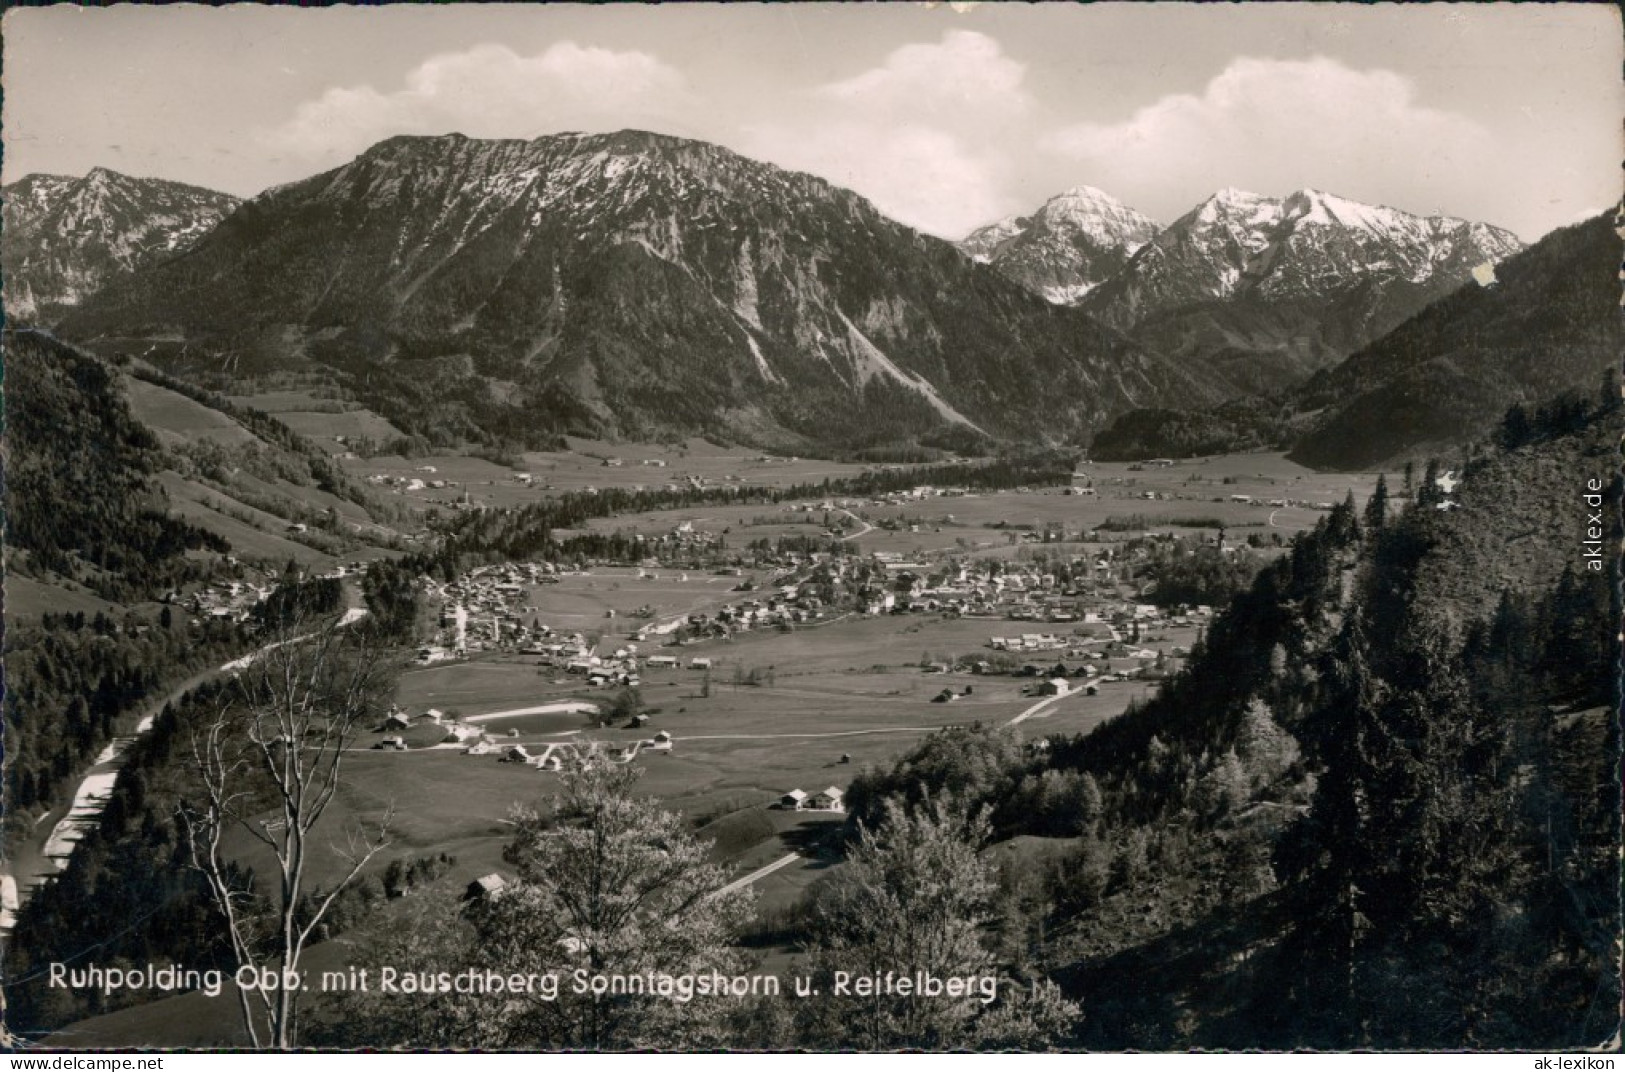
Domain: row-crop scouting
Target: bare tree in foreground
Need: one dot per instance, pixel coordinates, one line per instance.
(269, 763)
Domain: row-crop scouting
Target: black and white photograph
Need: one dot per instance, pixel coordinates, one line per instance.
(812, 528)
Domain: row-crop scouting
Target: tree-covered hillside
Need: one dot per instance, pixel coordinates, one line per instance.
(80, 498)
(1380, 807)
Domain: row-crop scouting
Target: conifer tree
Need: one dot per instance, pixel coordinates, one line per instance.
(1376, 508)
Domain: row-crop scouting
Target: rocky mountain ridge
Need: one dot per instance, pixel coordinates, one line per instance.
(1264, 291)
(63, 238)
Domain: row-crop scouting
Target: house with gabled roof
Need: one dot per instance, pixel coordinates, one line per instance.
(830, 799)
(485, 888)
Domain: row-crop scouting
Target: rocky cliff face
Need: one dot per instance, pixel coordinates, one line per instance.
(63, 238)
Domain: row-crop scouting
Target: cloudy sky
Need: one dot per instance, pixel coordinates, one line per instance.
(945, 117)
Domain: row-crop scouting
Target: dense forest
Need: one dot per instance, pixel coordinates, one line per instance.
(1237, 426)
(129, 892)
(82, 507)
(80, 499)
(128, 895)
(71, 682)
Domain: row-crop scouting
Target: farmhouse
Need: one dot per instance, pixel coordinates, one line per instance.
(485, 888)
(698, 663)
(794, 800)
(661, 662)
(826, 800)
(1055, 686)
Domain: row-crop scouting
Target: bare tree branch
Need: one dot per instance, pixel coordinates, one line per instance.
(277, 742)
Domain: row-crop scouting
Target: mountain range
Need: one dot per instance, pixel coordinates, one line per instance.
(627, 284)
(1264, 291)
(641, 286)
(1546, 323)
(65, 238)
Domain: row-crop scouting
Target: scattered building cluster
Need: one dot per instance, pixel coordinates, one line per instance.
(230, 600)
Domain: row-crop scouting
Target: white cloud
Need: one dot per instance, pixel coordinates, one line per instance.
(964, 77)
(488, 91)
(925, 135)
(1277, 125)
(916, 174)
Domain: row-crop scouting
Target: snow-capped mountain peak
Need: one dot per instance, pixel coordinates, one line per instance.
(984, 242)
(1303, 279)
(1315, 207)
(65, 237)
(1075, 241)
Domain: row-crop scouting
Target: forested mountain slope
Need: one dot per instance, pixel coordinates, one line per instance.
(1550, 323)
(138, 489)
(81, 497)
(1267, 290)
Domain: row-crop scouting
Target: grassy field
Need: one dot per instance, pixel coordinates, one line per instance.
(583, 602)
(27, 599)
(259, 538)
(321, 419)
(980, 523)
(177, 419)
(583, 466)
(1188, 490)
(850, 689)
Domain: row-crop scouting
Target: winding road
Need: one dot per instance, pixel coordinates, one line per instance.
(867, 528)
